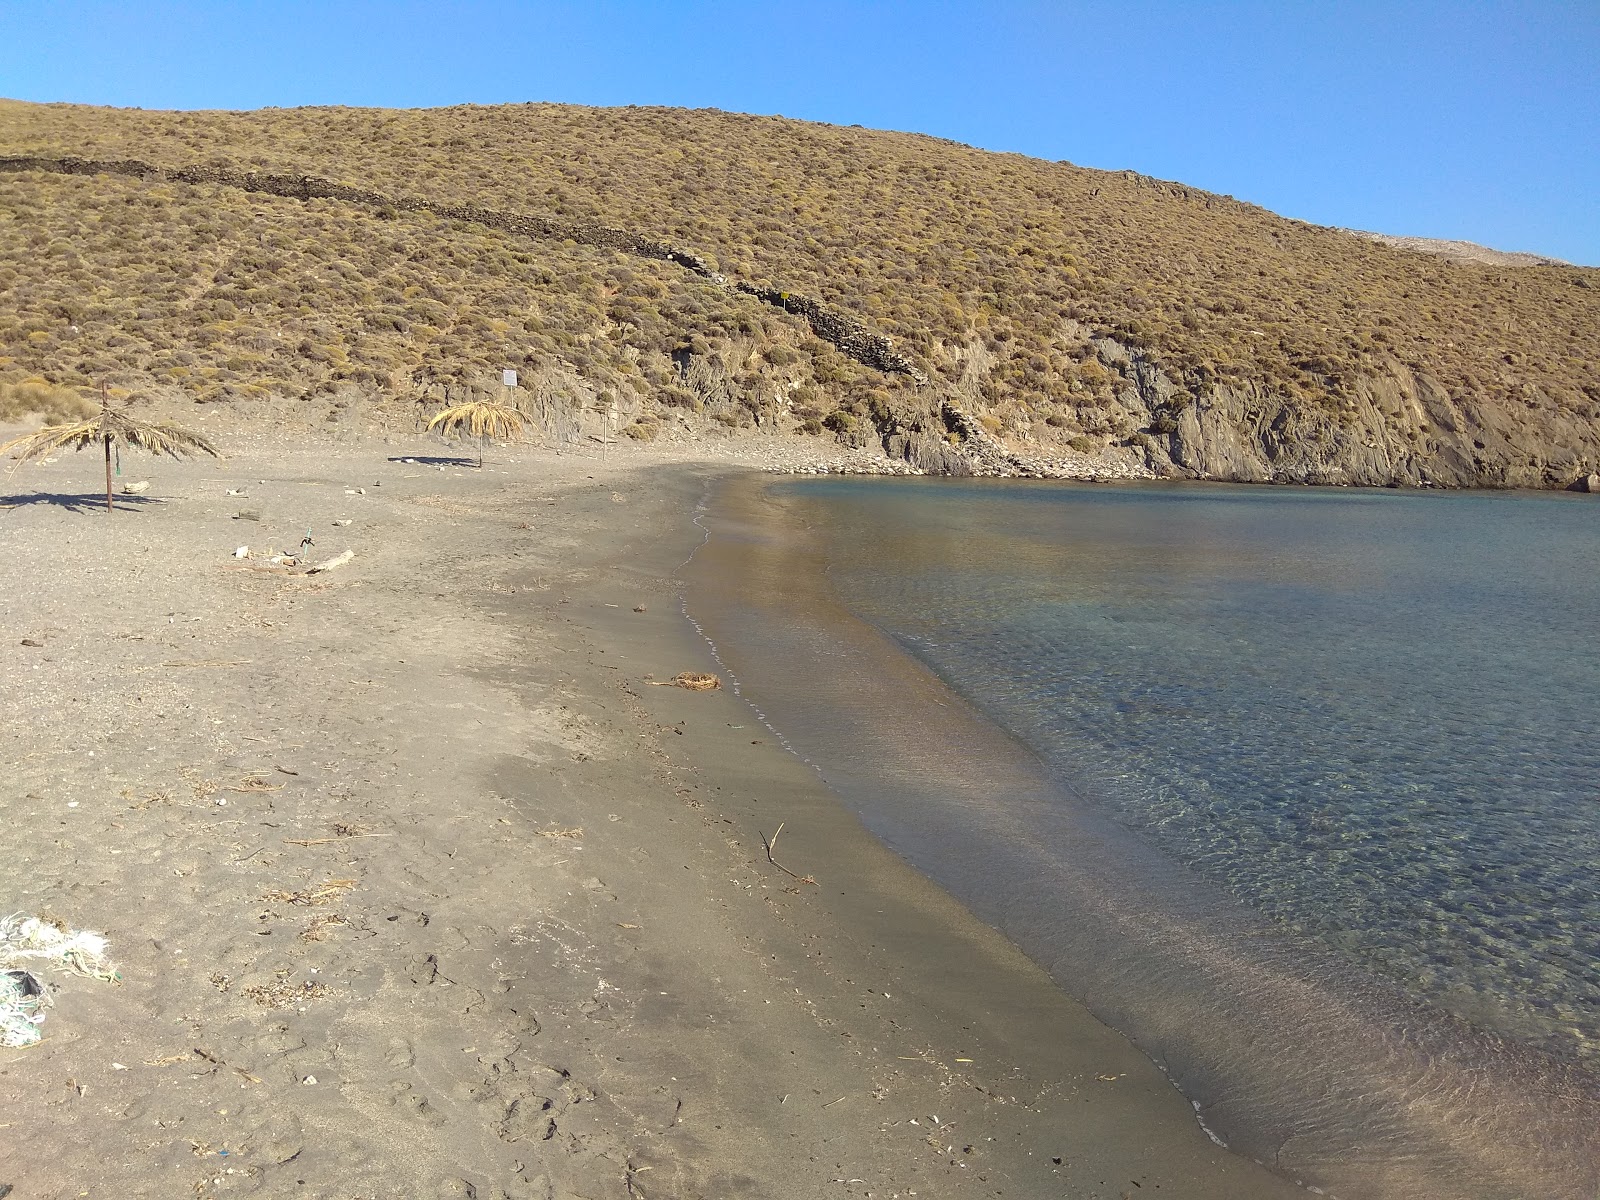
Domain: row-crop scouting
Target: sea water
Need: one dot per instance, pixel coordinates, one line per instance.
(1299, 788)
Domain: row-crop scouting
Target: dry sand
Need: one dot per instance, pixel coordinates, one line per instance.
(419, 889)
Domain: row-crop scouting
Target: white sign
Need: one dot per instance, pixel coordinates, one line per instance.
(508, 377)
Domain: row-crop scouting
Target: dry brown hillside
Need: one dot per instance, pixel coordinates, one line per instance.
(603, 250)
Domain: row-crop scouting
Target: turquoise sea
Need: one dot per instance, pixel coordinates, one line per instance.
(1299, 788)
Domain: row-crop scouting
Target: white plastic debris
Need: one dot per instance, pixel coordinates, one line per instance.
(242, 552)
(26, 942)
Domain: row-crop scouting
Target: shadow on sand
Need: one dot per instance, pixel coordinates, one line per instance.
(435, 460)
(78, 502)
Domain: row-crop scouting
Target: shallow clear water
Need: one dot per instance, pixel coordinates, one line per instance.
(1320, 769)
(1374, 717)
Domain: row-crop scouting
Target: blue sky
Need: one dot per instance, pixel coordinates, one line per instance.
(1468, 120)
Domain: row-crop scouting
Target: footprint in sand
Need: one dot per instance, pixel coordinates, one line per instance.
(399, 1054)
(407, 1100)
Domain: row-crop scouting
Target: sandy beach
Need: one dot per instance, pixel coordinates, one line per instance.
(419, 885)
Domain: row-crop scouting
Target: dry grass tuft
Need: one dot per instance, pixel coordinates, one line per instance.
(696, 682)
(329, 891)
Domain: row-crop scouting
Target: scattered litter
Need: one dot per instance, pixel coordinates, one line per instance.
(692, 680)
(236, 491)
(242, 552)
(638, 608)
(247, 514)
(355, 491)
(341, 524)
(309, 1081)
(331, 564)
(134, 489)
(34, 644)
(23, 996)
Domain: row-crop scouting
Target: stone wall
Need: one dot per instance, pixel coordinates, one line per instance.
(852, 337)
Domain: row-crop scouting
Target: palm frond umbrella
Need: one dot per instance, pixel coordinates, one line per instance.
(482, 419)
(110, 427)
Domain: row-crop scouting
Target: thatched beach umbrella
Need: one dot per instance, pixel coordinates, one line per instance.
(109, 427)
(482, 419)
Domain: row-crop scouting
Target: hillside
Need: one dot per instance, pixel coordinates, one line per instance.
(712, 270)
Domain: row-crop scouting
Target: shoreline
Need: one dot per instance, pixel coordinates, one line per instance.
(417, 887)
(1156, 952)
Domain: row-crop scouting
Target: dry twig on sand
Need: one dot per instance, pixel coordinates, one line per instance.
(254, 783)
(769, 843)
(215, 1061)
(321, 895)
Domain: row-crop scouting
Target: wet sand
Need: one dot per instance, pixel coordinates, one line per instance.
(419, 887)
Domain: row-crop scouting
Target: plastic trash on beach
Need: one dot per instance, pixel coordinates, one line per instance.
(30, 942)
(23, 1001)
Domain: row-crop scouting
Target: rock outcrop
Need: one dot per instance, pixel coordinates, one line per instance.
(1398, 429)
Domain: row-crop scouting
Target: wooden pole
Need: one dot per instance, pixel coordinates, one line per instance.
(105, 410)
